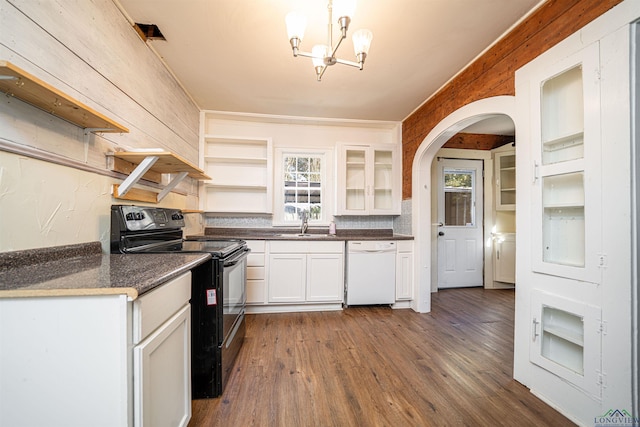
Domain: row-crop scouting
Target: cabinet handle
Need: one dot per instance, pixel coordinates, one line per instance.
(535, 171)
(535, 328)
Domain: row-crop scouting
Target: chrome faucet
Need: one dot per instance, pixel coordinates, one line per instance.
(305, 222)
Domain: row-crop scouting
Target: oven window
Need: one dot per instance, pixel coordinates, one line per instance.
(233, 293)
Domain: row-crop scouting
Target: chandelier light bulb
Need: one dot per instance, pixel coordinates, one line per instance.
(342, 8)
(296, 24)
(362, 41)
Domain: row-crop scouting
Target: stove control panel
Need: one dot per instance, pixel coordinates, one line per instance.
(137, 218)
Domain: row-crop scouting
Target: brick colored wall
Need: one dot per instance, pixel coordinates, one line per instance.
(493, 74)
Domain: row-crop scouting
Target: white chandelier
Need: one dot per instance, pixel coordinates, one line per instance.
(325, 55)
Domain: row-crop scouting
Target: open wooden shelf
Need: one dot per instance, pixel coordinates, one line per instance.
(150, 165)
(18, 83)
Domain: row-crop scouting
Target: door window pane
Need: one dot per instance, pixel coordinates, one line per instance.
(459, 198)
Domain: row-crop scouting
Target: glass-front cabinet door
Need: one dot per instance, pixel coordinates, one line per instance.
(566, 170)
(368, 180)
(355, 188)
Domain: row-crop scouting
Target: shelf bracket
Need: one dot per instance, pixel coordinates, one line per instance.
(137, 173)
(174, 182)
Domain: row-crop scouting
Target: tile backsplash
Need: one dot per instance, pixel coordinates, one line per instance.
(400, 224)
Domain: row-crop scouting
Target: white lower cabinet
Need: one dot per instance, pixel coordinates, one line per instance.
(98, 360)
(162, 359)
(404, 270)
(306, 272)
(504, 257)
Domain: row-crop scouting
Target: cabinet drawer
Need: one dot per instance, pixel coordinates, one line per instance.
(295, 247)
(255, 273)
(256, 291)
(404, 245)
(256, 245)
(255, 260)
(155, 307)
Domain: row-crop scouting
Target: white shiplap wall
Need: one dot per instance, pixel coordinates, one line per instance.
(88, 50)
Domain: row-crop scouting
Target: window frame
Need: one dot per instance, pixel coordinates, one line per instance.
(326, 188)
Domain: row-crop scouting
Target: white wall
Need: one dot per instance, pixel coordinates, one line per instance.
(89, 51)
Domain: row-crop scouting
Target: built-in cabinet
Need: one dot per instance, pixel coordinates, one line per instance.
(369, 180)
(565, 210)
(101, 360)
(241, 171)
(574, 222)
(306, 272)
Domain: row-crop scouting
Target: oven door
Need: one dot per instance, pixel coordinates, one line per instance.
(234, 292)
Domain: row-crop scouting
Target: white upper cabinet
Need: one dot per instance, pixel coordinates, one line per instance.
(505, 176)
(566, 166)
(369, 180)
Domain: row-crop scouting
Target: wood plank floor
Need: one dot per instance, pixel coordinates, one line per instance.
(373, 366)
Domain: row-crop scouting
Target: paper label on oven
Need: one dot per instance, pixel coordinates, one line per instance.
(211, 297)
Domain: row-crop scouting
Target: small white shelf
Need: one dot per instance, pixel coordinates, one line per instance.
(566, 334)
(565, 141)
(563, 205)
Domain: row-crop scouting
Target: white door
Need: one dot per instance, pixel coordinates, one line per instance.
(460, 250)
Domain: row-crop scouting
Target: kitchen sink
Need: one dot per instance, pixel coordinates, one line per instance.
(302, 236)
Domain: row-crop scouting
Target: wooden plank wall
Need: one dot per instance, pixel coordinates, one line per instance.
(89, 50)
(493, 74)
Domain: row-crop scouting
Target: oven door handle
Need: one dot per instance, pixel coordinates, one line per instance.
(236, 259)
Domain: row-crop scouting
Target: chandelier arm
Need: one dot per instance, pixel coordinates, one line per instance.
(350, 63)
(322, 73)
(333, 50)
(306, 54)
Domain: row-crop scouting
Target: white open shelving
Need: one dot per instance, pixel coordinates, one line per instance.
(241, 174)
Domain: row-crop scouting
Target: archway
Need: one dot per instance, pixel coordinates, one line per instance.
(421, 184)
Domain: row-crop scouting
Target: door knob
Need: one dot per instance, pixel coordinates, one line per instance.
(441, 233)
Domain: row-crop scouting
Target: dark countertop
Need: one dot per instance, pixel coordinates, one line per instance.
(84, 270)
(314, 234)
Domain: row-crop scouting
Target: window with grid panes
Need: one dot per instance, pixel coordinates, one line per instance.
(302, 187)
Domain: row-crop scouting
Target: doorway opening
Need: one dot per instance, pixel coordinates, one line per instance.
(424, 224)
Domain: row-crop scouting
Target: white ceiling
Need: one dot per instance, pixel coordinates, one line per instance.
(234, 55)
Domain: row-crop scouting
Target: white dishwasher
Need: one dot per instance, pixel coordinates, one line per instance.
(371, 272)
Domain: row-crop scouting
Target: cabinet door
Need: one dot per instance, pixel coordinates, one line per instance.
(505, 258)
(287, 277)
(162, 374)
(325, 277)
(566, 208)
(566, 339)
(505, 176)
(404, 275)
(353, 179)
(382, 188)
(369, 180)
